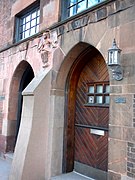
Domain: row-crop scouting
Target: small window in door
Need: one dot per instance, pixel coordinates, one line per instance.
(98, 94)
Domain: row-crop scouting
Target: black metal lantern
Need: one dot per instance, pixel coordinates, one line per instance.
(114, 61)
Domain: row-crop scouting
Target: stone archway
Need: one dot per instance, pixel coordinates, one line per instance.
(21, 78)
(77, 66)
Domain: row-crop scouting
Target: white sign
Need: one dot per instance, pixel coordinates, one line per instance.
(97, 132)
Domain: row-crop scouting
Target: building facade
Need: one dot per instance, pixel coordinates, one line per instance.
(61, 106)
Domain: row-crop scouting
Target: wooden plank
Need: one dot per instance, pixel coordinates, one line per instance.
(91, 149)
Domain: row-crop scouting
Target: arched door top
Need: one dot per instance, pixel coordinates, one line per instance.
(89, 70)
(71, 60)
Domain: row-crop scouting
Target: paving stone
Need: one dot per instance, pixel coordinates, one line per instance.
(4, 169)
(71, 176)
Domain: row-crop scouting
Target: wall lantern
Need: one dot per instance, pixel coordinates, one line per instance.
(114, 61)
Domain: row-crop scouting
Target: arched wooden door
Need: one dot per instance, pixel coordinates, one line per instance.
(89, 102)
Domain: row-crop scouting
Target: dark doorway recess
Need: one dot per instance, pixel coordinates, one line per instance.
(27, 76)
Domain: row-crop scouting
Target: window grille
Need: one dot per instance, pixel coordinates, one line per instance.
(27, 23)
(72, 7)
(98, 94)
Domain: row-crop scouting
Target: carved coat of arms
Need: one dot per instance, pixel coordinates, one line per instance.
(47, 43)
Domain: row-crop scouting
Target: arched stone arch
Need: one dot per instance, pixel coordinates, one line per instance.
(17, 85)
(66, 80)
(54, 91)
(66, 63)
(63, 68)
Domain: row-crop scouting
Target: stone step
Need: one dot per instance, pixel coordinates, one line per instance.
(71, 176)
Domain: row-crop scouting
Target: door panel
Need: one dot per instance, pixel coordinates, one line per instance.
(91, 149)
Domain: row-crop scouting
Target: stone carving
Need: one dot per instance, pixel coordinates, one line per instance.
(46, 46)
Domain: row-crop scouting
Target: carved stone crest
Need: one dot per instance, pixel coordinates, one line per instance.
(47, 44)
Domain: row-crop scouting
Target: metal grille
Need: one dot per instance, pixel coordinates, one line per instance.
(76, 6)
(98, 94)
(29, 24)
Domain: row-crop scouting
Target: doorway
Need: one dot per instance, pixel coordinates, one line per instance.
(87, 116)
(27, 76)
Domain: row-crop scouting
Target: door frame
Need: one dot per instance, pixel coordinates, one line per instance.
(23, 83)
(13, 102)
(70, 95)
(69, 116)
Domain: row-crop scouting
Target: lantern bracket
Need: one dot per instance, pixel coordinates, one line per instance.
(114, 54)
(117, 72)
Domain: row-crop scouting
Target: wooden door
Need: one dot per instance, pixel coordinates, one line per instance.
(91, 119)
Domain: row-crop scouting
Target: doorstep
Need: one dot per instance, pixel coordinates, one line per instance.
(71, 176)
